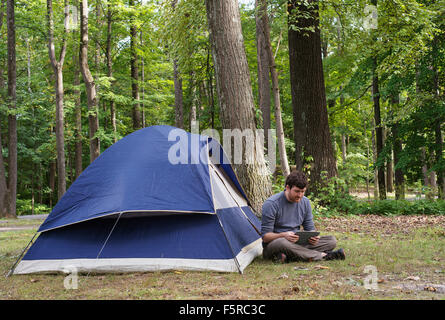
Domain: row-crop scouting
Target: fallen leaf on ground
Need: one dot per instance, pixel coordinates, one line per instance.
(318, 267)
(283, 276)
(431, 289)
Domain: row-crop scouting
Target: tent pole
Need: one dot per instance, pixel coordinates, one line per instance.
(109, 235)
(106, 240)
(20, 257)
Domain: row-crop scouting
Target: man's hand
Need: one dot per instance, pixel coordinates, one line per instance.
(290, 236)
(314, 240)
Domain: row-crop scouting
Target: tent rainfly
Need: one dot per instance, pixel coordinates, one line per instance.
(159, 199)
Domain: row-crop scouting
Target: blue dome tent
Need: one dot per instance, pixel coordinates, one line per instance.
(159, 199)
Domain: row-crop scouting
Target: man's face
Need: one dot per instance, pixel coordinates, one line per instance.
(294, 194)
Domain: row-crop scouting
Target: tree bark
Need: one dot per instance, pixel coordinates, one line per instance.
(235, 94)
(12, 119)
(311, 127)
(89, 83)
(57, 66)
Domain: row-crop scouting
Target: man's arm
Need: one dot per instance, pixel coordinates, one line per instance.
(288, 235)
(308, 222)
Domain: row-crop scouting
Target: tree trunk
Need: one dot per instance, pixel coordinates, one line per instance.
(388, 171)
(78, 117)
(177, 80)
(3, 185)
(261, 20)
(374, 158)
(437, 123)
(142, 84)
(398, 174)
(52, 181)
(134, 73)
(311, 127)
(210, 89)
(89, 83)
(12, 119)
(378, 131)
(264, 29)
(57, 69)
(179, 104)
(235, 94)
(110, 68)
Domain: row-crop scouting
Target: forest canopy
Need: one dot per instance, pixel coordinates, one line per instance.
(381, 84)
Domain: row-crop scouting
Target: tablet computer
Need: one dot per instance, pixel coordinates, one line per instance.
(305, 235)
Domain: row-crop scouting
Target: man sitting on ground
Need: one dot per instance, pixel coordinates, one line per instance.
(282, 215)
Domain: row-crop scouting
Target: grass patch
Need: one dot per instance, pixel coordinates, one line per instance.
(398, 252)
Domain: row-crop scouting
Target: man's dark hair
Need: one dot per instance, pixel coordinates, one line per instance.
(297, 179)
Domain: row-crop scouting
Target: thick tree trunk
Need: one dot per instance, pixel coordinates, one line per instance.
(311, 127)
(12, 119)
(235, 94)
(90, 85)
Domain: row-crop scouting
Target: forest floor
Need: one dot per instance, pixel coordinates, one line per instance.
(395, 257)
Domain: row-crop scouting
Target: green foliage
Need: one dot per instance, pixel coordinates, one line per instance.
(24, 207)
(333, 199)
(402, 207)
(408, 43)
